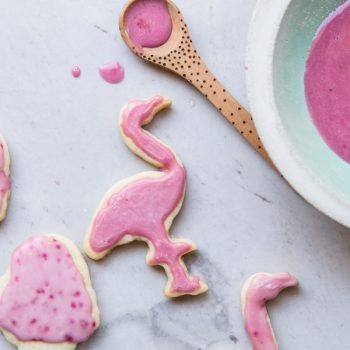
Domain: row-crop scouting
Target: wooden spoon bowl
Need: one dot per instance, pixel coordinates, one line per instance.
(180, 56)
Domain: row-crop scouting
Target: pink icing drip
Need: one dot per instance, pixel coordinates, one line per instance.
(142, 207)
(45, 299)
(4, 179)
(148, 23)
(112, 73)
(76, 72)
(261, 289)
(327, 77)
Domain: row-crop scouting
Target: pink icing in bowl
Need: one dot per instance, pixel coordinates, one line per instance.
(148, 23)
(327, 77)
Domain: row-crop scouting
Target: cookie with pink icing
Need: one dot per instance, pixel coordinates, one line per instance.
(4, 178)
(143, 207)
(46, 298)
(259, 289)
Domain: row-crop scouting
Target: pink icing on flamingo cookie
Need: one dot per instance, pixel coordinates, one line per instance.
(259, 289)
(47, 296)
(143, 207)
(4, 178)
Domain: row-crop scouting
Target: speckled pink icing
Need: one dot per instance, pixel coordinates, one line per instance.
(141, 208)
(327, 77)
(45, 299)
(148, 23)
(261, 289)
(112, 73)
(4, 179)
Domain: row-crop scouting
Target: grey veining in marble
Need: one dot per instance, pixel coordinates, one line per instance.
(67, 152)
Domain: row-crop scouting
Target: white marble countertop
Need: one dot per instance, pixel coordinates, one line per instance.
(67, 152)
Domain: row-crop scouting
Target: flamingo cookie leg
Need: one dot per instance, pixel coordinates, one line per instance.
(143, 207)
(46, 298)
(4, 178)
(259, 289)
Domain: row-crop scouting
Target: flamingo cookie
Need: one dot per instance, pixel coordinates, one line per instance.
(143, 207)
(4, 178)
(259, 289)
(46, 299)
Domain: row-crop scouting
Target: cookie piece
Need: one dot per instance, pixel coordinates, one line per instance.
(46, 298)
(143, 207)
(4, 178)
(259, 289)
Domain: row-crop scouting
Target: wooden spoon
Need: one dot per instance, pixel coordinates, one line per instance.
(179, 55)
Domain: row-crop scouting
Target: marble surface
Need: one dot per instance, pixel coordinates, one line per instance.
(67, 152)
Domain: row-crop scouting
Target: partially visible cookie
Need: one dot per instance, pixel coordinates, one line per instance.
(4, 178)
(259, 289)
(46, 298)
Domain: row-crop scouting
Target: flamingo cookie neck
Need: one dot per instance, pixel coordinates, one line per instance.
(143, 207)
(259, 289)
(45, 298)
(4, 178)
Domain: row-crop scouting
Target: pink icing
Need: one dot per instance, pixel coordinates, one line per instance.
(261, 289)
(141, 208)
(76, 72)
(112, 73)
(4, 179)
(148, 23)
(327, 77)
(45, 299)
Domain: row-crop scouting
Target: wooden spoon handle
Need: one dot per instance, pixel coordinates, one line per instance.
(205, 81)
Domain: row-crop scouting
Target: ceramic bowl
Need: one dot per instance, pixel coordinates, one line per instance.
(279, 40)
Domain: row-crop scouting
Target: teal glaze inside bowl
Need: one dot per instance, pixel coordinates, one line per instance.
(298, 28)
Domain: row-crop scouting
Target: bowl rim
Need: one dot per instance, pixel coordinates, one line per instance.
(262, 37)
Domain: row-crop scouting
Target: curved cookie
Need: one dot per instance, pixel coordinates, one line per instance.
(4, 178)
(143, 207)
(259, 289)
(46, 298)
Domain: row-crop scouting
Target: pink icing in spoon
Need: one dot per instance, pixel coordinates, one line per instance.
(4, 182)
(143, 209)
(148, 23)
(327, 77)
(259, 289)
(112, 73)
(45, 299)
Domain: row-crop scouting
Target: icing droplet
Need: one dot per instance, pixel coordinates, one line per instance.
(112, 73)
(76, 72)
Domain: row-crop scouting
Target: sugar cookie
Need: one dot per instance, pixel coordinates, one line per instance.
(259, 289)
(143, 207)
(4, 178)
(46, 298)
